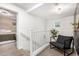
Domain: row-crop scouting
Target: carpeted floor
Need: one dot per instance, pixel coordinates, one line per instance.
(11, 50)
(52, 52)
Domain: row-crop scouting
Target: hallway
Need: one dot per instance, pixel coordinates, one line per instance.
(11, 50)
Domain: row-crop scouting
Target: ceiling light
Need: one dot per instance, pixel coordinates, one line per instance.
(6, 13)
(58, 9)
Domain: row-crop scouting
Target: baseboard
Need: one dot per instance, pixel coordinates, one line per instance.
(39, 50)
(6, 42)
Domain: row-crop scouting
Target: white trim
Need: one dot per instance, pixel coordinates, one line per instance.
(6, 42)
(34, 7)
(40, 50)
(31, 43)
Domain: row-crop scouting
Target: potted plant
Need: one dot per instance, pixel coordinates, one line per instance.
(54, 33)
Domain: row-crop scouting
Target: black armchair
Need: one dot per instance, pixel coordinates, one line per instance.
(63, 43)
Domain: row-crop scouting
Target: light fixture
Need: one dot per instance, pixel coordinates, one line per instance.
(5, 12)
(58, 9)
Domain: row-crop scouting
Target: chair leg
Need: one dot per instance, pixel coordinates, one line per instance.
(67, 54)
(70, 52)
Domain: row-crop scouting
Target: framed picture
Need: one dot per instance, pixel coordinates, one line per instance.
(57, 24)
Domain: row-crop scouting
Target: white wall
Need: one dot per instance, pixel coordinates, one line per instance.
(65, 28)
(25, 23)
(30, 24)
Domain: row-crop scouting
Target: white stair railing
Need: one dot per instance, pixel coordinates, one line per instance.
(38, 39)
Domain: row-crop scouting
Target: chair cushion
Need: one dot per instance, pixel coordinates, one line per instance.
(65, 40)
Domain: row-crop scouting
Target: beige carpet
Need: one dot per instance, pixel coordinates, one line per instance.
(52, 52)
(11, 50)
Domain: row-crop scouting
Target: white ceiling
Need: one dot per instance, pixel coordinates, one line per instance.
(25, 6)
(48, 10)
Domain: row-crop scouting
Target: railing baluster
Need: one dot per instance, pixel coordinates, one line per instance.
(38, 39)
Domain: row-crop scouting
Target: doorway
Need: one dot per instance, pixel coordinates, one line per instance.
(8, 20)
(7, 25)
